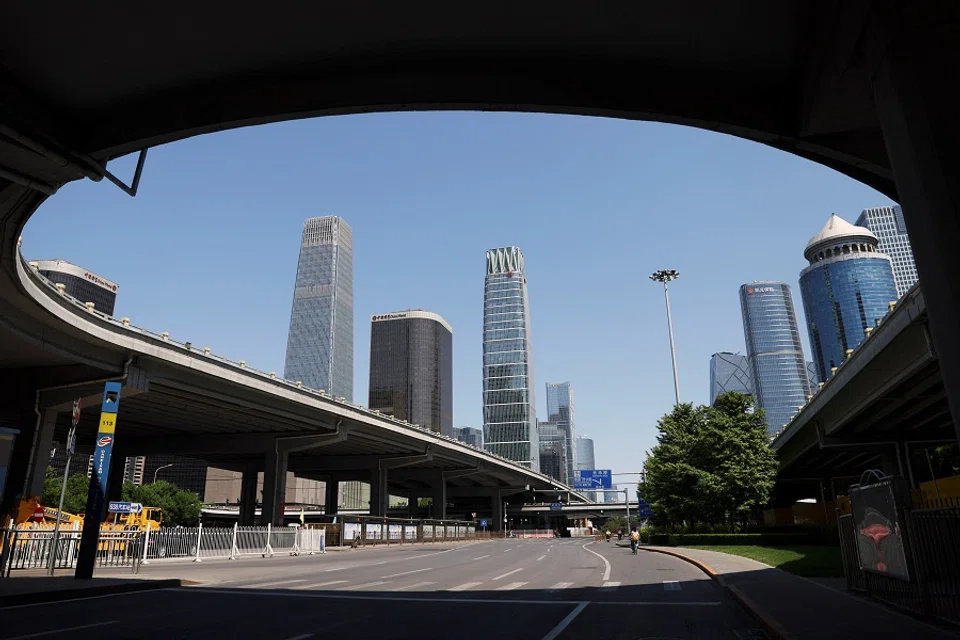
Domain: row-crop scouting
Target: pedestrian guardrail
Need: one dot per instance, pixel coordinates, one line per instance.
(42, 548)
(359, 531)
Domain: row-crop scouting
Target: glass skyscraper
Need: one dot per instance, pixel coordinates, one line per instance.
(411, 368)
(560, 411)
(846, 288)
(554, 452)
(469, 435)
(586, 460)
(320, 341)
(774, 352)
(812, 375)
(888, 225)
(509, 413)
(729, 372)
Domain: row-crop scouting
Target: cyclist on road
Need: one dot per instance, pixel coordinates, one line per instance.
(634, 540)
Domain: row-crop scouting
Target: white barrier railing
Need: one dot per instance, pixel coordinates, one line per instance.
(204, 542)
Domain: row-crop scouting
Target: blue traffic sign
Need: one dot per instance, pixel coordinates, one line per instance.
(556, 506)
(483, 523)
(593, 479)
(645, 511)
(124, 507)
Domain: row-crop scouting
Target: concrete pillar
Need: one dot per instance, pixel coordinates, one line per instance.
(274, 486)
(331, 503)
(248, 496)
(412, 506)
(438, 493)
(913, 90)
(40, 460)
(379, 496)
(496, 503)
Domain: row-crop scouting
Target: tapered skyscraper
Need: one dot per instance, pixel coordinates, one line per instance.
(560, 411)
(320, 341)
(774, 352)
(509, 414)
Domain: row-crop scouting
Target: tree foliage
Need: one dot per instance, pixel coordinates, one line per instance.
(710, 464)
(180, 507)
(75, 497)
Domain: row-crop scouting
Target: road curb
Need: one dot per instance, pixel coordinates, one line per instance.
(59, 595)
(769, 624)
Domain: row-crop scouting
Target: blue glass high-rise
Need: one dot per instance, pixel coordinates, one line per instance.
(320, 341)
(509, 414)
(729, 372)
(560, 410)
(774, 352)
(846, 288)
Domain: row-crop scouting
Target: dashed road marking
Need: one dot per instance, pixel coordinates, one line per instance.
(407, 573)
(609, 586)
(508, 573)
(263, 585)
(321, 584)
(414, 586)
(511, 586)
(559, 586)
(355, 587)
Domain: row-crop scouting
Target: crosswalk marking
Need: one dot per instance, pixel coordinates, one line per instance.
(671, 585)
(464, 586)
(355, 587)
(262, 585)
(559, 586)
(609, 586)
(407, 573)
(511, 586)
(320, 584)
(414, 586)
(508, 573)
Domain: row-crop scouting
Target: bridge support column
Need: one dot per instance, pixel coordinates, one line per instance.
(40, 460)
(248, 496)
(413, 502)
(917, 114)
(438, 493)
(331, 501)
(379, 496)
(496, 502)
(274, 486)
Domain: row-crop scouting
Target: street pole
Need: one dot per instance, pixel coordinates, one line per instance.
(665, 276)
(157, 470)
(626, 501)
(71, 444)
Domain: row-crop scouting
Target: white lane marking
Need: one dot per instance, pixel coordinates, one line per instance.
(541, 558)
(560, 585)
(302, 636)
(355, 587)
(482, 557)
(671, 585)
(508, 573)
(507, 550)
(609, 586)
(407, 573)
(108, 595)
(321, 584)
(414, 586)
(263, 585)
(377, 563)
(40, 634)
(434, 599)
(511, 586)
(335, 569)
(606, 574)
(464, 586)
(563, 624)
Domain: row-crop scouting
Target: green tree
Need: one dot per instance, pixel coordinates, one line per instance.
(180, 507)
(710, 464)
(740, 455)
(75, 497)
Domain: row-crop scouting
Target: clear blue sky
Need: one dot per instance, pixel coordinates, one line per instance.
(208, 249)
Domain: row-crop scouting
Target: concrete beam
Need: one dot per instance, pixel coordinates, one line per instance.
(319, 464)
(91, 394)
(240, 443)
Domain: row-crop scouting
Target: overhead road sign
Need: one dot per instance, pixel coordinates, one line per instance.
(593, 479)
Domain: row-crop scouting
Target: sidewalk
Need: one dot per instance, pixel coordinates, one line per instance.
(792, 607)
(24, 589)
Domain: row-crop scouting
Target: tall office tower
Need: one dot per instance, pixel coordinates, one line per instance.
(469, 435)
(554, 455)
(774, 352)
(888, 225)
(586, 460)
(812, 375)
(729, 372)
(560, 411)
(83, 285)
(846, 287)
(411, 368)
(509, 411)
(320, 341)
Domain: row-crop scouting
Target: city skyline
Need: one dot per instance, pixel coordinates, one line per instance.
(519, 179)
(888, 224)
(561, 410)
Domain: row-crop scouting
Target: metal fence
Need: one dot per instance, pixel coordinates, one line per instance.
(234, 542)
(932, 546)
(35, 548)
(371, 530)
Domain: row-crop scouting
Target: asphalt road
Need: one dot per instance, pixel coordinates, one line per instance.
(504, 589)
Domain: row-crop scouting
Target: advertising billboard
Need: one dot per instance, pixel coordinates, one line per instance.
(879, 529)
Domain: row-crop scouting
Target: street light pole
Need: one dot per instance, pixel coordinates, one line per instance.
(665, 276)
(158, 471)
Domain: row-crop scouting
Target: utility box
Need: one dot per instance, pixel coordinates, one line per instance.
(7, 438)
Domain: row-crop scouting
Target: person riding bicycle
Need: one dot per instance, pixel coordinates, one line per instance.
(634, 540)
(608, 534)
(619, 535)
